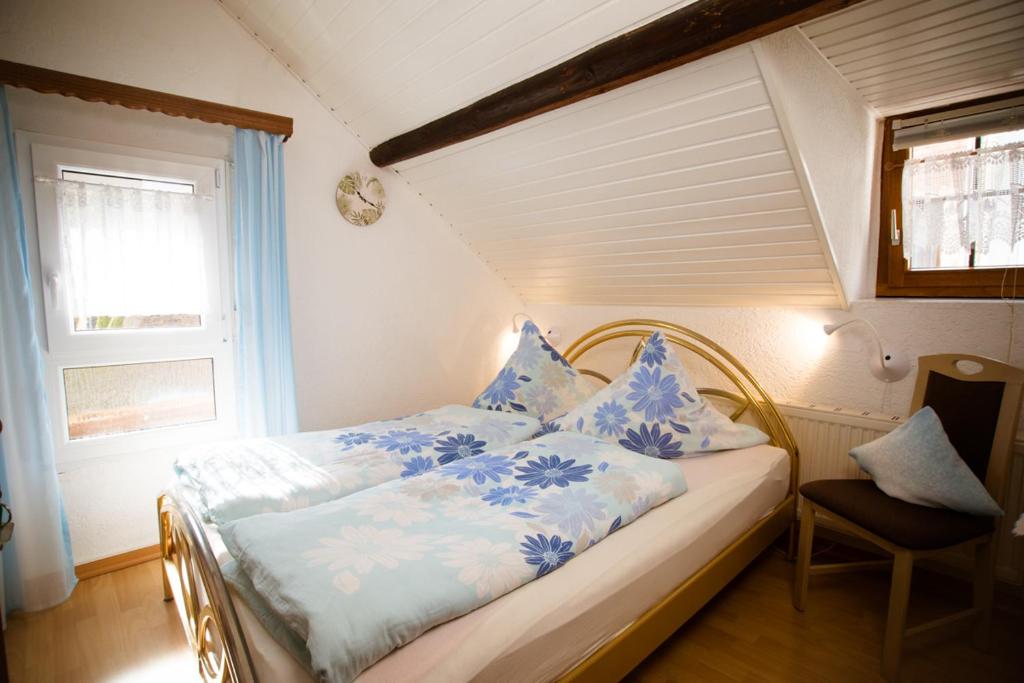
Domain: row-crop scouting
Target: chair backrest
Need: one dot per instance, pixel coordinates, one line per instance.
(979, 411)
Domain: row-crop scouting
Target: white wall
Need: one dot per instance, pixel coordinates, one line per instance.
(789, 353)
(386, 320)
(832, 135)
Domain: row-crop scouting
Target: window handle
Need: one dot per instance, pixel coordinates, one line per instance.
(894, 231)
(53, 284)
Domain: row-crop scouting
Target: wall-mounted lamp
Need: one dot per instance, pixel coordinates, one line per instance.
(553, 335)
(515, 321)
(887, 365)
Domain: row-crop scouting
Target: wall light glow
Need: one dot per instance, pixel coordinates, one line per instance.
(807, 338)
(509, 341)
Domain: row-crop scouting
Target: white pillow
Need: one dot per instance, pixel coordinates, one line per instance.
(654, 409)
(916, 462)
(536, 380)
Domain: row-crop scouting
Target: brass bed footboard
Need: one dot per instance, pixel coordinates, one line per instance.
(193, 580)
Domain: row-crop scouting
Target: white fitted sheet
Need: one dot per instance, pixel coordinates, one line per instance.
(543, 629)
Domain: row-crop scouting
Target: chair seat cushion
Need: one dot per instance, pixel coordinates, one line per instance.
(915, 527)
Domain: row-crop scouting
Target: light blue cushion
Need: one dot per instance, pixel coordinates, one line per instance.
(536, 381)
(654, 409)
(916, 462)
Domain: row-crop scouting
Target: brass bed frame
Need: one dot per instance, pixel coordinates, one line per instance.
(192, 577)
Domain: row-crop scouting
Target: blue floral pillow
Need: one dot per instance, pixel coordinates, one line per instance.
(536, 380)
(654, 409)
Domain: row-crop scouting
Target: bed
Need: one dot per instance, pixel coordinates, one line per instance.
(615, 604)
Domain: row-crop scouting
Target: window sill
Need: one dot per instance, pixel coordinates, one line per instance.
(937, 301)
(945, 293)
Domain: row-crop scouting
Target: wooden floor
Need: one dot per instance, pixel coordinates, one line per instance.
(117, 628)
(750, 632)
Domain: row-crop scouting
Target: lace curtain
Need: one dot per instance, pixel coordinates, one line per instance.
(954, 201)
(129, 251)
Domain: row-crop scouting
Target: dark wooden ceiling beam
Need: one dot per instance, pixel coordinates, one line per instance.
(685, 35)
(96, 90)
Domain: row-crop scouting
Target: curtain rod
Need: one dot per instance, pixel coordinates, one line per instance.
(48, 81)
(960, 112)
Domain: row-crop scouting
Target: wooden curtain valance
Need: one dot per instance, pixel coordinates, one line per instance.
(685, 35)
(96, 90)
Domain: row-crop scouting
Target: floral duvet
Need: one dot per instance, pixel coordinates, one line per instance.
(362, 575)
(236, 479)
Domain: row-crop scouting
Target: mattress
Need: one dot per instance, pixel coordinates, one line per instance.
(542, 630)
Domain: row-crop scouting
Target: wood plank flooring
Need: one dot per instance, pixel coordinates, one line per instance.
(117, 628)
(750, 632)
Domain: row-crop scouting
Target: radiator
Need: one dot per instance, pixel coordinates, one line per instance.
(825, 435)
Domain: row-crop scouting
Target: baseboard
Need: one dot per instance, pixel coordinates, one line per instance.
(111, 564)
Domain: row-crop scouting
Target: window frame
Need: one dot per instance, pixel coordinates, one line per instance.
(894, 278)
(64, 348)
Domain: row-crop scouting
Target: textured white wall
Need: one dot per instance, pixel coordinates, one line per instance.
(833, 134)
(386, 320)
(789, 353)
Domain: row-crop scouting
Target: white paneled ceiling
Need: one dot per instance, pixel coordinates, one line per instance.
(904, 55)
(386, 66)
(678, 189)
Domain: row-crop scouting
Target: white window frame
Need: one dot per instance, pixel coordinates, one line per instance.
(66, 348)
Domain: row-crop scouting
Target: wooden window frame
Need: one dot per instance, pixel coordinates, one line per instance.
(894, 278)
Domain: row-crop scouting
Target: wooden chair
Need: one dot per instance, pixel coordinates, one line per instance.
(979, 413)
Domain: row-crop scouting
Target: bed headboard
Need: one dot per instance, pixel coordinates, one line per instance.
(745, 396)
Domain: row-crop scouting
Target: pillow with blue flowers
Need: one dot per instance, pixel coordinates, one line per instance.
(654, 409)
(536, 380)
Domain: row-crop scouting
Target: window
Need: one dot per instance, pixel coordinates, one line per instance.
(133, 256)
(953, 201)
(148, 396)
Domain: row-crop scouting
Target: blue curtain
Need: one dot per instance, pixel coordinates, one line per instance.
(38, 568)
(266, 391)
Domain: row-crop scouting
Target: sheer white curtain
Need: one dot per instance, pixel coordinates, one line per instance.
(955, 200)
(129, 251)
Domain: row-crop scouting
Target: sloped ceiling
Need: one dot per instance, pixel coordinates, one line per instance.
(906, 55)
(678, 189)
(385, 66)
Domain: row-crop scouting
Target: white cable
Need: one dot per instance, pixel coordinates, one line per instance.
(1011, 302)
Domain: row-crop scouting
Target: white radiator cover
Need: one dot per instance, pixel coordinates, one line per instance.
(825, 434)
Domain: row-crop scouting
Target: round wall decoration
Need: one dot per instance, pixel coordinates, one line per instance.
(360, 200)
